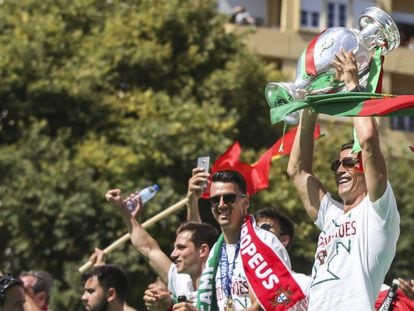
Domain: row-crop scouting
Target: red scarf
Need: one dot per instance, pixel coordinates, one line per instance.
(268, 276)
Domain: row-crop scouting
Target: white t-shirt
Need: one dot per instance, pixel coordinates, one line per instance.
(304, 281)
(180, 284)
(239, 285)
(354, 252)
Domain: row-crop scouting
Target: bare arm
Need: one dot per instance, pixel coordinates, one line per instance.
(375, 169)
(140, 238)
(311, 190)
(194, 193)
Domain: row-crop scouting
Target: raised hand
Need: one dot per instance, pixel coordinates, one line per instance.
(346, 68)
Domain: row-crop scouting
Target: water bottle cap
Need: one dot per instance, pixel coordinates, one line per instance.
(396, 282)
(156, 187)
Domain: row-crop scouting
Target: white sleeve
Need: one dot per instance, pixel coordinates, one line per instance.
(179, 284)
(329, 209)
(386, 208)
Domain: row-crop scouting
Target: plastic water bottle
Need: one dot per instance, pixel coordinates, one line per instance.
(391, 295)
(145, 195)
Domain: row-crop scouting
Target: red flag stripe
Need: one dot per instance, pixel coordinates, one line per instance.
(385, 106)
(256, 174)
(309, 59)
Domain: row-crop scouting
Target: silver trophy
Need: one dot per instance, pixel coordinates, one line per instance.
(314, 73)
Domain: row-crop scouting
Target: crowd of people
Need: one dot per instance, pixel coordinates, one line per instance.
(246, 266)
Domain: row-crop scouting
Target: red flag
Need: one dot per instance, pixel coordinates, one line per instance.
(402, 302)
(256, 174)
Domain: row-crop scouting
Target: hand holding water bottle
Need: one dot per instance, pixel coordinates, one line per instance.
(131, 203)
(144, 195)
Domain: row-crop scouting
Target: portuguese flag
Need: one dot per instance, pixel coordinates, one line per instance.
(256, 174)
(350, 104)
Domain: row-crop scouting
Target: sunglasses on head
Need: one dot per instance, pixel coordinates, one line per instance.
(228, 199)
(347, 163)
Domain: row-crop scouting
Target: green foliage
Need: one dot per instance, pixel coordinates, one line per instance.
(102, 94)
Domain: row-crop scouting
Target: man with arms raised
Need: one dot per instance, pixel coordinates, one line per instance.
(191, 248)
(358, 236)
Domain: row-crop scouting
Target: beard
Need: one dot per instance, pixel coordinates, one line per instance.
(102, 306)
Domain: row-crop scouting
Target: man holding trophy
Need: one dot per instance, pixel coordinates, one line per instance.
(358, 236)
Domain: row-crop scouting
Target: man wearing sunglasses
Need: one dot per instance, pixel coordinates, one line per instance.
(224, 278)
(358, 236)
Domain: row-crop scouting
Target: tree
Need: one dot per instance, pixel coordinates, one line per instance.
(98, 94)
(101, 94)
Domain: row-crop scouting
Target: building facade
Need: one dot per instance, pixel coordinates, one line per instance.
(285, 27)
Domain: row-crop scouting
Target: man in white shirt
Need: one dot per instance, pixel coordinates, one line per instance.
(191, 249)
(358, 237)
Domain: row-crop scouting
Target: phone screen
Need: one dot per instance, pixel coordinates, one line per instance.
(204, 162)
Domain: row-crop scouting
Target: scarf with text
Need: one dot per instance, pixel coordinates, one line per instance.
(206, 294)
(267, 274)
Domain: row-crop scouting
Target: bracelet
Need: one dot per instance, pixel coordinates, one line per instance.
(358, 88)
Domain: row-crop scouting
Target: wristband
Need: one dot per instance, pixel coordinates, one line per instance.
(358, 88)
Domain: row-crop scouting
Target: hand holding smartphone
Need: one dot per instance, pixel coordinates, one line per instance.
(204, 163)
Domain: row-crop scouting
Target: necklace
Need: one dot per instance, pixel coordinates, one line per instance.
(226, 274)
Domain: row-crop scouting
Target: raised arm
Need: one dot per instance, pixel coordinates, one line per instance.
(375, 169)
(299, 168)
(140, 238)
(195, 190)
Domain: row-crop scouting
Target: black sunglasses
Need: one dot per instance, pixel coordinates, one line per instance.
(228, 199)
(347, 163)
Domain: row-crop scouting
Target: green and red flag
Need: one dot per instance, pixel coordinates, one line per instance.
(350, 104)
(256, 174)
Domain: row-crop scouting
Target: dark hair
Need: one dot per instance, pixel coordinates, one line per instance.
(110, 276)
(348, 145)
(285, 223)
(229, 176)
(43, 282)
(201, 233)
(7, 281)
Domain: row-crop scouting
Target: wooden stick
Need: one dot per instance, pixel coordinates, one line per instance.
(145, 225)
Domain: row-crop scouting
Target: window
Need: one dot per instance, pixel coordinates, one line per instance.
(304, 18)
(337, 14)
(403, 123)
(309, 19)
(315, 19)
(331, 14)
(342, 15)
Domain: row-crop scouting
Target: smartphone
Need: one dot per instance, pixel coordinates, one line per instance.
(204, 162)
